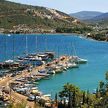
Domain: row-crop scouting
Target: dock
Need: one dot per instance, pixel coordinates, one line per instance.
(21, 77)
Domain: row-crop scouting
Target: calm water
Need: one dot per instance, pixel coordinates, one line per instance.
(86, 76)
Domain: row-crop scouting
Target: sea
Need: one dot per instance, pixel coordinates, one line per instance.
(86, 77)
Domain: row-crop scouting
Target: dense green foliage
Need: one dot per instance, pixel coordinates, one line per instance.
(79, 30)
(81, 99)
(12, 14)
(75, 96)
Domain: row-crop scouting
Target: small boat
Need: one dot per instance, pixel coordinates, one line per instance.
(79, 60)
(50, 54)
(34, 88)
(36, 83)
(46, 78)
(9, 35)
(31, 98)
(47, 95)
(44, 57)
(72, 65)
(42, 71)
(58, 69)
(9, 61)
(51, 72)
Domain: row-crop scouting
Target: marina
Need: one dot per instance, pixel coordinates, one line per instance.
(37, 66)
(57, 64)
(53, 55)
(27, 84)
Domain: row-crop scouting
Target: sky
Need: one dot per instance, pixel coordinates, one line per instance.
(69, 6)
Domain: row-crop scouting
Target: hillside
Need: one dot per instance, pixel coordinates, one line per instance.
(101, 19)
(19, 16)
(83, 15)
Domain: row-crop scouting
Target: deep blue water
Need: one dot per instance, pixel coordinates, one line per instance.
(86, 76)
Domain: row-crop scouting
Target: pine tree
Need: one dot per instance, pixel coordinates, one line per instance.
(97, 91)
(70, 100)
(73, 99)
(87, 98)
(83, 101)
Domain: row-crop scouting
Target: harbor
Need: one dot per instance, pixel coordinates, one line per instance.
(21, 75)
(44, 69)
(24, 77)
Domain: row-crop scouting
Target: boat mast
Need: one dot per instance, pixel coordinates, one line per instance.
(13, 47)
(5, 46)
(58, 52)
(45, 43)
(26, 45)
(74, 50)
(36, 44)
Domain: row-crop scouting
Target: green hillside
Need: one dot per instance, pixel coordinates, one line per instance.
(15, 15)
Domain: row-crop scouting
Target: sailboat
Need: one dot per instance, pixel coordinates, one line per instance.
(77, 59)
(72, 63)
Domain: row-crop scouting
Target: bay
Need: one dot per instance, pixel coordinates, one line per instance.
(86, 76)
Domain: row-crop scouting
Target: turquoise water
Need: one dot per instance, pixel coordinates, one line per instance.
(86, 76)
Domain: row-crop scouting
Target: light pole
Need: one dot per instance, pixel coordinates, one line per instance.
(5, 47)
(46, 43)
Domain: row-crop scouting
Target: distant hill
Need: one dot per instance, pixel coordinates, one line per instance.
(84, 15)
(15, 14)
(101, 19)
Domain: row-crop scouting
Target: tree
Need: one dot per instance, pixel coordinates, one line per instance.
(101, 85)
(71, 93)
(87, 99)
(84, 97)
(106, 76)
(74, 99)
(67, 88)
(97, 93)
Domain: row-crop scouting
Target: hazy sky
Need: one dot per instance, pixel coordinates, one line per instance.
(69, 6)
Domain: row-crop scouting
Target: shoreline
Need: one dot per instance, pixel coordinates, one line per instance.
(70, 34)
(65, 34)
(16, 96)
(40, 33)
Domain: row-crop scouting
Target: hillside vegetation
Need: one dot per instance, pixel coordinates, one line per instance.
(18, 16)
